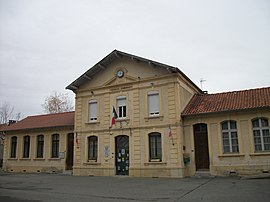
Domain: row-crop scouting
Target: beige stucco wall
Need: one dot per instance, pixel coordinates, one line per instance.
(139, 79)
(33, 164)
(246, 162)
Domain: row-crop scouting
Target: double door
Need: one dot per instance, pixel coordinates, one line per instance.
(122, 155)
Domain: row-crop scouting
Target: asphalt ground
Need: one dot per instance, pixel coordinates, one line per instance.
(57, 187)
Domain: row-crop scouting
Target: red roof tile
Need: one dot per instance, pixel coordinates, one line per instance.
(228, 101)
(2, 126)
(42, 121)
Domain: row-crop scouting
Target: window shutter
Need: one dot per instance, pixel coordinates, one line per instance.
(153, 103)
(93, 110)
(121, 101)
(121, 106)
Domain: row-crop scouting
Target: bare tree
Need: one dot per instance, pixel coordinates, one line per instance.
(57, 102)
(7, 113)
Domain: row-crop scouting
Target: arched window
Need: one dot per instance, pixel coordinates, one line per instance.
(13, 149)
(261, 134)
(229, 137)
(40, 146)
(155, 150)
(92, 148)
(26, 146)
(55, 146)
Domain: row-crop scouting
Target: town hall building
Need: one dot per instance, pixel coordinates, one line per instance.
(138, 117)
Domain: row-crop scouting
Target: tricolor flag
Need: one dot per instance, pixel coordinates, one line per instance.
(114, 117)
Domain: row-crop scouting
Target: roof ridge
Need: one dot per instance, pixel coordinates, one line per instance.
(52, 114)
(238, 91)
(228, 101)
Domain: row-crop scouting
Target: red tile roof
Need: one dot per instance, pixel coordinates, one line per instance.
(228, 101)
(2, 125)
(42, 121)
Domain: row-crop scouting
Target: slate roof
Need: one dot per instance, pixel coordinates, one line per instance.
(228, 101)
(114, 55)
(42, 121)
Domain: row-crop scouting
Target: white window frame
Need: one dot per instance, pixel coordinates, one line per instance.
(230, 131)
(93, 109)
(153, 103)
(260, 129)
(121, 103)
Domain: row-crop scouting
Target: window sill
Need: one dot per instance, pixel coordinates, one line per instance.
(25, 159)
(92, 122)
(231, 155)
(39, 159)
(54, 159)
(267, 153)
(153, 162)
(154, 117)
(91, 163)
(122, 119)
(13, 159)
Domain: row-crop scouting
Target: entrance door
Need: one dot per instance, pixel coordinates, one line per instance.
(122, 155)
(201, 147)
(70, 150)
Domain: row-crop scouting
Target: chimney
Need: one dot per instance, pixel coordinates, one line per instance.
(11, 122)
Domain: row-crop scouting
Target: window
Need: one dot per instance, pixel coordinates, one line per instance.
(122, 107)
(93, 111)
(229, 137)
(40, 146)
(55, 146)
(26, 146)
(155, 151)
(92, 148)
(13, 150)
(153, 103)
(261, 134)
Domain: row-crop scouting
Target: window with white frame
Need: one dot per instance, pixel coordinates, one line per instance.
(121, 107)
(93, 111)
(229, 137)
(261, 134)
(153, 103)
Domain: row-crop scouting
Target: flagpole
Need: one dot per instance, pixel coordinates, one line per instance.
(170, 134)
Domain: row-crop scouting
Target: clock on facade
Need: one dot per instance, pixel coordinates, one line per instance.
(120, 73)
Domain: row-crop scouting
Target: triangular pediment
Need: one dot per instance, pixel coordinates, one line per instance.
(104, 72)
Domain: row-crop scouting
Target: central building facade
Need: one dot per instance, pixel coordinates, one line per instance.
(128, 118)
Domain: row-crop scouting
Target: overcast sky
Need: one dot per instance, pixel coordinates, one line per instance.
(47, 44)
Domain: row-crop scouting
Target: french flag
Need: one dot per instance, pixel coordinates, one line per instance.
(114, 117)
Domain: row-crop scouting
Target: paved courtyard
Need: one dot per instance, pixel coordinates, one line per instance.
(55, 187)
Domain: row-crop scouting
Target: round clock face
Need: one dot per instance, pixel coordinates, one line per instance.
(120, 73)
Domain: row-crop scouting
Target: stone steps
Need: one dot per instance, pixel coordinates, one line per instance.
(203, 174)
